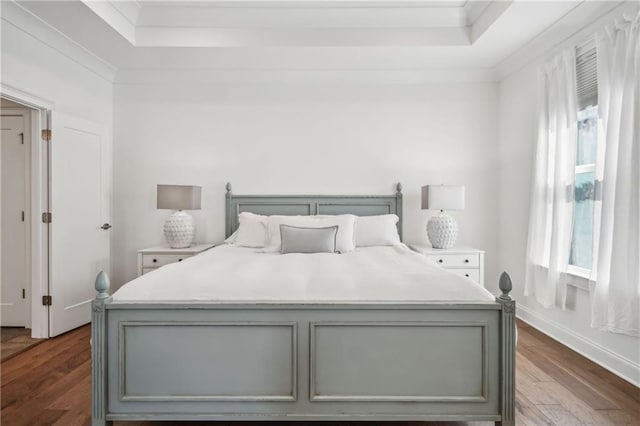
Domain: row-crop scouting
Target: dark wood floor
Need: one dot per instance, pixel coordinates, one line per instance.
(14, 340)
(51, 384)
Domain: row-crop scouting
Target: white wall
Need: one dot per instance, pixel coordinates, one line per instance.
(517, 132)
(301, 139)
(37, 62)
(32, 66)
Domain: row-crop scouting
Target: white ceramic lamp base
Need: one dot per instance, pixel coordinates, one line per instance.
(179, 229)
(442, 231)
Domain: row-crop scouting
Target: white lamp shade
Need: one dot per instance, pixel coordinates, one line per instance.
(443, 197)
(179, 197)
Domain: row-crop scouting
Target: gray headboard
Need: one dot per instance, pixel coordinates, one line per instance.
(307, 205)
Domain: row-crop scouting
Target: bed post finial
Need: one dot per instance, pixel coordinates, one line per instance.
(505, 286)
(398, 208)
(102, 285)
(228, 214)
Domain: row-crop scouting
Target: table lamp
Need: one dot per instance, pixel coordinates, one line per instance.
(442, 229)
(179, 228)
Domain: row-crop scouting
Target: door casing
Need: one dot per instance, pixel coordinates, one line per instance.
(38, 109)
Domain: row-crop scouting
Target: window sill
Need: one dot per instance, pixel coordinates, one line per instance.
(578, 277)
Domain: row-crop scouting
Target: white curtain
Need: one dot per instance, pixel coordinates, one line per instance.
(551, 214)
(616, 291)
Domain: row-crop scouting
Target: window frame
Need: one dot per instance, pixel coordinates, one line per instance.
(587, 97)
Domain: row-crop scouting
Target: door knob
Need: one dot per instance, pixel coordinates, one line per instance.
(106, 226)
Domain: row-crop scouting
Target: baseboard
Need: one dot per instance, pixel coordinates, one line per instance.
(618, 365)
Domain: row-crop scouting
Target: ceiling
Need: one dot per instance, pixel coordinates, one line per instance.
(303, 34)
(298, 23)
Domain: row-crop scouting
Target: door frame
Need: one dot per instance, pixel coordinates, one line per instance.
(40, 109)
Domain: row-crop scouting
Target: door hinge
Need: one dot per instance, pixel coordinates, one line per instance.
(46, 217)
(46, 300)
(46, 134)
(24, 294)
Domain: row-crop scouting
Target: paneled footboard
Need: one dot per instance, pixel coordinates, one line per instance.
(213, 361)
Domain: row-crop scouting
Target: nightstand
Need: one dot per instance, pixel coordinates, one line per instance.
(465, 261)
(155, 257)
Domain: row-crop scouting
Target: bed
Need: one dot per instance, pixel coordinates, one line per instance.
(379, 334)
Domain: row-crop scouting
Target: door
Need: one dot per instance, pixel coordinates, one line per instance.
(14, 295)
(79, 205)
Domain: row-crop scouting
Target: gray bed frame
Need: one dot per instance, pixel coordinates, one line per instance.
(303, 361)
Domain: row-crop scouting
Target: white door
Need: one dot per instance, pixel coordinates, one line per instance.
(79, 205)
(14, 295)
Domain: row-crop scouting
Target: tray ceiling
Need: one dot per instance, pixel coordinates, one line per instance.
(327, 35)
(298, 23)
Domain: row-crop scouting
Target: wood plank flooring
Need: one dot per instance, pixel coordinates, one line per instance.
(14, 340)
(50, 384)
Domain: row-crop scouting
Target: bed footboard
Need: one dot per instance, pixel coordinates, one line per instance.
(213, 361)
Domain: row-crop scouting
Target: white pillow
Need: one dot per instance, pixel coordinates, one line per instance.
(344, 238)
(232, 238)
(252, 230)
(377, 230)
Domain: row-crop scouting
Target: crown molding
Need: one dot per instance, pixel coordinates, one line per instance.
(570, 29)
(224, 24)
(307, 77)
(122, 17)
(305, 37)
(473, 10)
(305, 4)
(487, 17)
(17, 16)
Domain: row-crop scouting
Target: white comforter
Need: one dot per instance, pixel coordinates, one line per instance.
(373, 274)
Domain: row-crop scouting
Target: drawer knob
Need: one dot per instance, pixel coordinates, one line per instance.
(466, 275)
(466, 261)
(179, 260)
(440, 260)
(155, 260)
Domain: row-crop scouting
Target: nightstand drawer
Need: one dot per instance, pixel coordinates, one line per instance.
(154, 257)
(473, 274)
(471, 260)
(157, 260)
(147, 270)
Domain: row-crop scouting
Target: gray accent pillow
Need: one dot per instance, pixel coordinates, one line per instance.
(308, 240)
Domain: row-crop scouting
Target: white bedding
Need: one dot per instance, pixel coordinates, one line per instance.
(369, 274)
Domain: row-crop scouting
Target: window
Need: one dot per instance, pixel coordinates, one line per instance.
(588, 134)
(582, 237)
